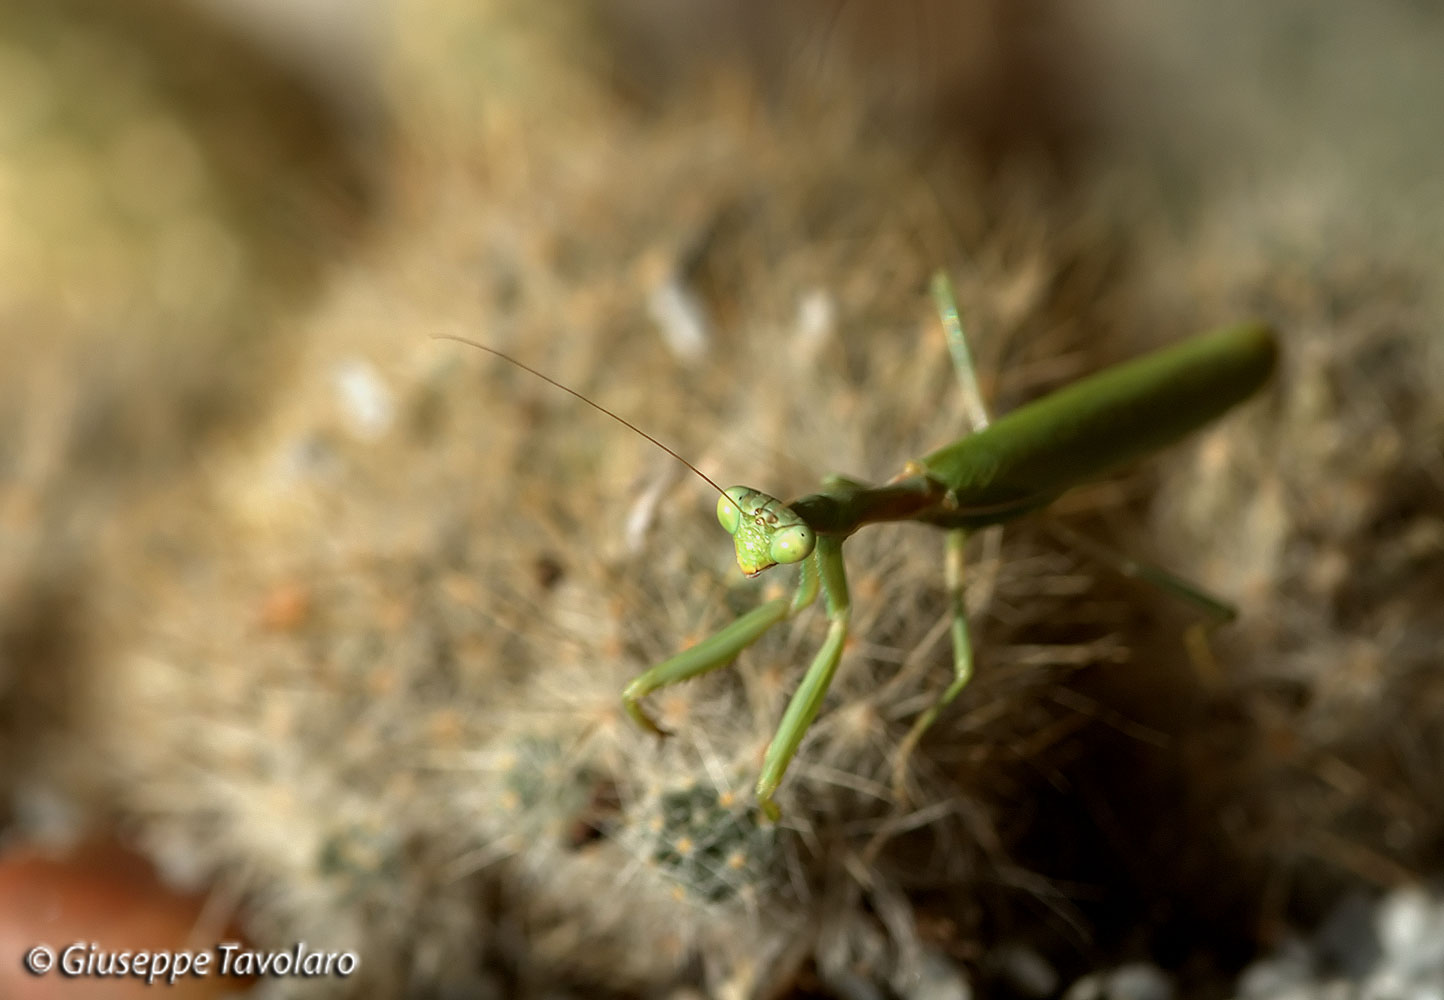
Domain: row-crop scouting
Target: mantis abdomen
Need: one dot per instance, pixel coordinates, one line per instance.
(1026, 458)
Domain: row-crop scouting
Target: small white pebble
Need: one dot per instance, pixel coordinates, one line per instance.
(682, 320)
(851, 986)
(1385, 984)
(1291, 967)
(365, 399)
(1134, 981)
(1139, 981)
(1433, 990)
(1025, 971)
(1089, 987)
(1410, 926)
(938, 979)
(643, 511)
(816, 321)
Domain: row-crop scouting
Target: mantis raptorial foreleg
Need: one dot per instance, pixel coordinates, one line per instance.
(712, 653)
(822, 569)
(718, 650)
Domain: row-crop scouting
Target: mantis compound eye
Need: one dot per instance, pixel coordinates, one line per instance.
(793, 544)
(729, 509)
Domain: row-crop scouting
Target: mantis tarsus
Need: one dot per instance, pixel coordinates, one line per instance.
(1018, 464)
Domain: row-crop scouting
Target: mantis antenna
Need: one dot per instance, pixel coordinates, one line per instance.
(596, 406)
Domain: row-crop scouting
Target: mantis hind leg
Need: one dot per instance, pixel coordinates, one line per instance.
(958, 350)
(962, 359)
(1218, 612)
(807, 699)
(962, 660)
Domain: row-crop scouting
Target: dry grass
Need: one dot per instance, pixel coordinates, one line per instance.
(360, 665)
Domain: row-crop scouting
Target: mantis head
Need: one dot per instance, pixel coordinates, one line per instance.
(764, 529)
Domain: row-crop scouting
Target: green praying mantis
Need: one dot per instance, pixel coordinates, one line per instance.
(1015, 465)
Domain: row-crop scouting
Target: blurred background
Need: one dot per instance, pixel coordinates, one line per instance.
(312, 627)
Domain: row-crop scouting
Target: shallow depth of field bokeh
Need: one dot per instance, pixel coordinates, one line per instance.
(327, 619)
